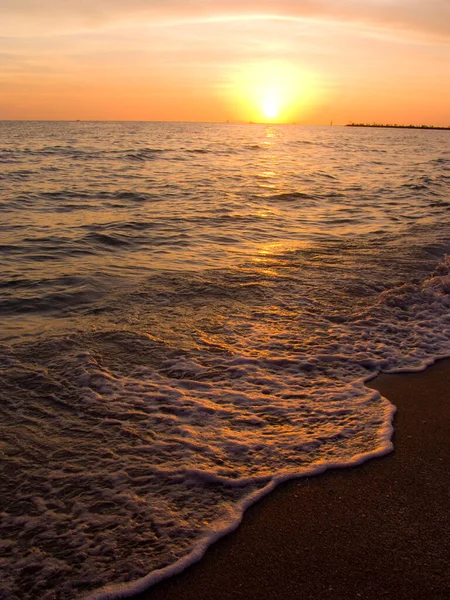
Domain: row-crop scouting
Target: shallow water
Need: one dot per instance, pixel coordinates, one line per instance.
(189, 312)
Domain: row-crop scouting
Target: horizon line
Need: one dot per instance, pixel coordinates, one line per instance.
(225, 122)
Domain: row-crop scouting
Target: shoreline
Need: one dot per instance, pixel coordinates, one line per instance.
(377, 530)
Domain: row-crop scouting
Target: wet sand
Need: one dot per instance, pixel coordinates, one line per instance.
(379, 530)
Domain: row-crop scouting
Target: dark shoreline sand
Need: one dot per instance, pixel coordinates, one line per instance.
(379, 530)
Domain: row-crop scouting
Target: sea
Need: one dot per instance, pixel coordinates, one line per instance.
(188, 315)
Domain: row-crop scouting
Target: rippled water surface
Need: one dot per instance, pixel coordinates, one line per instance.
(188, 315)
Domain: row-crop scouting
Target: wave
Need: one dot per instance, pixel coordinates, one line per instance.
(57, 296)
(291, 197)
(243, 379)
(68, 200)
(143, 154)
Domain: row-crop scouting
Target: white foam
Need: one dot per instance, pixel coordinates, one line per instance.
(229, 523)
(140, 470)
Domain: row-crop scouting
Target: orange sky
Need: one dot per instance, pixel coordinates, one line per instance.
(308, 61)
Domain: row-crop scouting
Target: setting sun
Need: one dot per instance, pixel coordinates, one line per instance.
(270, 105)
(272, 92)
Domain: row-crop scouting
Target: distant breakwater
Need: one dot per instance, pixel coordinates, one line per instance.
(393, 126)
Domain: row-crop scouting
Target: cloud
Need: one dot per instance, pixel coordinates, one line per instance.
(37, 17)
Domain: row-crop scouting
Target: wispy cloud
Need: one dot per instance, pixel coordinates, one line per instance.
(28, 17)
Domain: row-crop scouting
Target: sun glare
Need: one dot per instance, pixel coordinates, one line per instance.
(270, 106)
(271, 92)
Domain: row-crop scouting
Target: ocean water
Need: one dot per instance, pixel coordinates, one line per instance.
(188, 315)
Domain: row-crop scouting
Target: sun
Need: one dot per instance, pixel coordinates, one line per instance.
(271, 92)
(270, 105)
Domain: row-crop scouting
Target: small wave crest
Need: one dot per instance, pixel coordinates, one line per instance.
(143, 154)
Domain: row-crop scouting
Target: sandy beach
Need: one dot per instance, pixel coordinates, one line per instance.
(380, 530)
